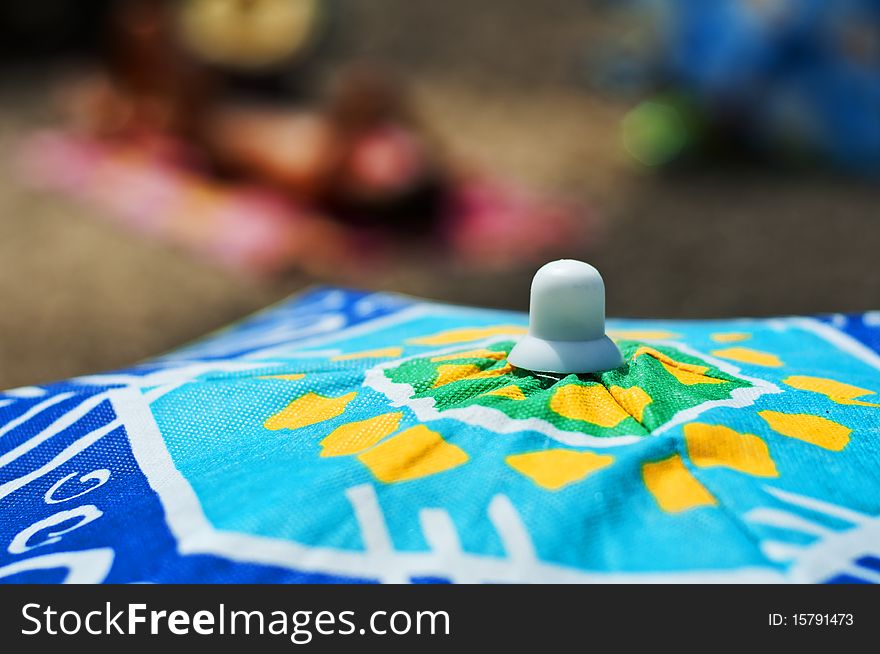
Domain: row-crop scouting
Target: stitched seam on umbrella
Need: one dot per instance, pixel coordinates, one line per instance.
(648, 429)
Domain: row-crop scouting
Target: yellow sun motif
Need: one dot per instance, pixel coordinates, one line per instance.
(730, 337)
(307, 410)
(634, 400)
(413, 453)
(674, 487)
(472, 354)
(809, 428)
(385, 352)
(467, 335)
(354, 437)
(512, 392)
(453, 372)
(716, 445)
(592, 404)
(555, 469)
(834, 390)
(748, 355)
(393, 454)
(291, 377)
(686, 373)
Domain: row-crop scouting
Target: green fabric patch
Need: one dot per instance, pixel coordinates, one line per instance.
(671, 381)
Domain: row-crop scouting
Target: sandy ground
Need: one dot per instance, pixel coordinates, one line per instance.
(80, 295)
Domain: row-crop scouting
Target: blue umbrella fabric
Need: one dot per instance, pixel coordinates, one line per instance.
(798, 80)
(343, 436)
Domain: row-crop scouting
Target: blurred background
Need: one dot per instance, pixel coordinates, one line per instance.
(169, 167)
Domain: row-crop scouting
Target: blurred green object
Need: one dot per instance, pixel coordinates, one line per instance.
(796, 81)
(658, 131)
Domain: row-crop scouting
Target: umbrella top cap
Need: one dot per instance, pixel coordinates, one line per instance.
(566, 322)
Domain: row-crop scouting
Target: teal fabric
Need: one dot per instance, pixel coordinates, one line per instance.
(345, 436)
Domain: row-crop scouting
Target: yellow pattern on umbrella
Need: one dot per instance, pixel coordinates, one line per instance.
(687, 373)
(809, 428)
(472, 354)
(633, 400)
(468, 334)
(453, 372)
(307, 410)
(413, 453)
(354, 437)
(748, 355)
(834, 390)
(716, 445)
(674, 487)
(385, 352)
(555, 469)
(291, 377)
(512, 392)
(730, 337)
(593, 404)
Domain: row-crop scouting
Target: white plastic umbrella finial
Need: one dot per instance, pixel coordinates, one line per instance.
(566, 322)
